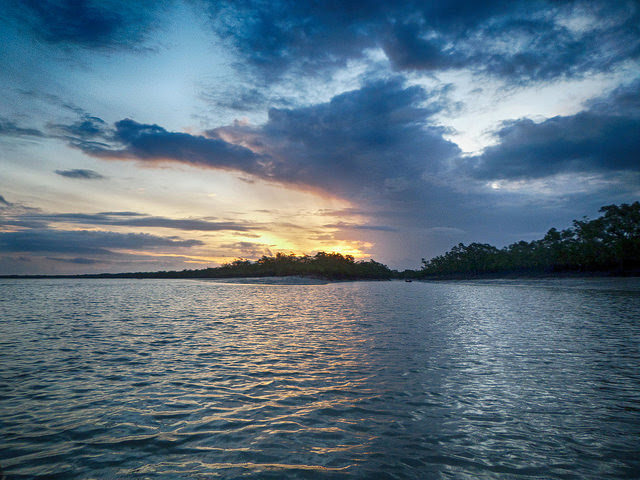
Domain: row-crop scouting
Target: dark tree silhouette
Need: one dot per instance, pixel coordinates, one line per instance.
(332, 266)
(610, 243)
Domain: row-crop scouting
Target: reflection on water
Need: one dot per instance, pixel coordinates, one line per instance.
(194, 379)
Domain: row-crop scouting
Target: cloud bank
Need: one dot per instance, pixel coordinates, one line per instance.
(350, 100)
(519, 41)
(601, 138)
(378, 138)
(110, 24)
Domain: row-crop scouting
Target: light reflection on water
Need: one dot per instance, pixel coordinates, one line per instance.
(194, 379)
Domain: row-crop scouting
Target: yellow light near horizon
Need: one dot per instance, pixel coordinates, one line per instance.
(355, 252)
(298, 244)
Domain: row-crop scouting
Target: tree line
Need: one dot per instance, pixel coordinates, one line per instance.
(610, 243)
(326, 265)
(331, 266)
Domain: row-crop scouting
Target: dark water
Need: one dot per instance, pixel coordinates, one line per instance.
(193, 379)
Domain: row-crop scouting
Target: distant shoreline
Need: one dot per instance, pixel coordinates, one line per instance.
(118, 276)
(533, 275)
(608, 246)
(400, 276)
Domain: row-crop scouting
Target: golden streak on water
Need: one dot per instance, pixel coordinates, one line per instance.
(148, 469)
(108, 378)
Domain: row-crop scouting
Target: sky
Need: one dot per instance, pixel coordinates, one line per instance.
(170, 135)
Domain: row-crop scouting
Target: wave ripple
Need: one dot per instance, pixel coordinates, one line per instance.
(186, 379)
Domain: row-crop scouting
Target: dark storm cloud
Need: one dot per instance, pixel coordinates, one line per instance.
(130, 139)
(87, 23)
(407, 50)
(4, 203)
(273, 36)
(603, 138)
(81, 174)
(83, 241)
(520, 41)
(624, 100)
(378, 137)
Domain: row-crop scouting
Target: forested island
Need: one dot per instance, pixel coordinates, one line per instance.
(331, 266)
(608, 245)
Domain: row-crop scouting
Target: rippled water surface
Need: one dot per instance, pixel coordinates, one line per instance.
(204, 379)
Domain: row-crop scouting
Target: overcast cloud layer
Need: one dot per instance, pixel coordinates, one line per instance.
(359, 105)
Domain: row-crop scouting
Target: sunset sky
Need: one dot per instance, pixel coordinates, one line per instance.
(143, 136)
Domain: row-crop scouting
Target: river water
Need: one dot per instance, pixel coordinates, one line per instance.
(191, 379)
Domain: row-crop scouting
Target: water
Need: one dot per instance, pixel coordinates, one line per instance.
(203, 379)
